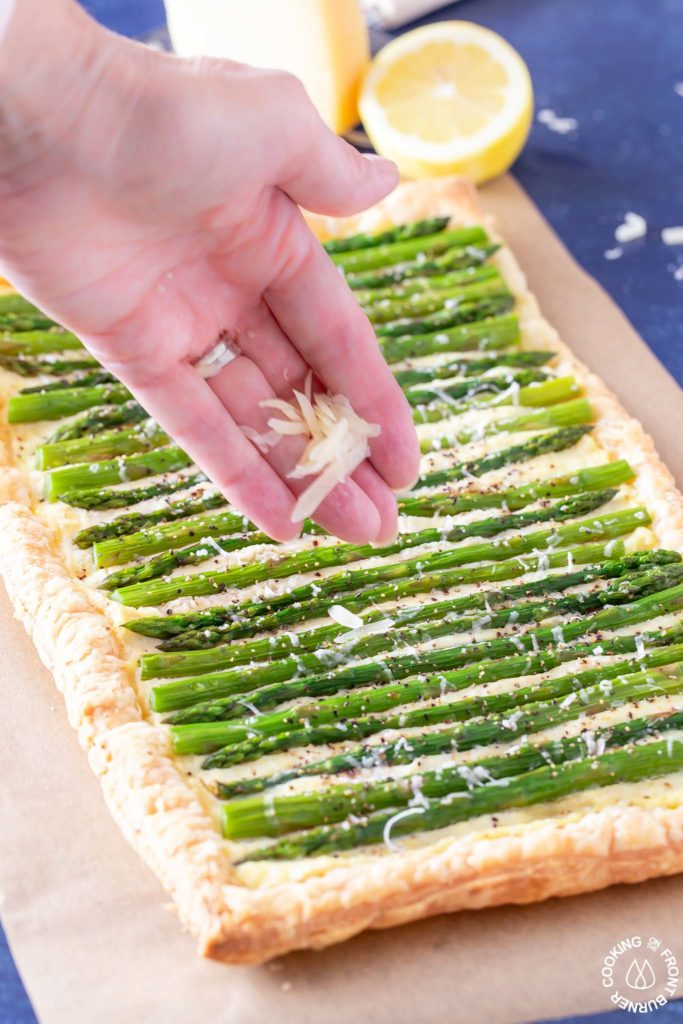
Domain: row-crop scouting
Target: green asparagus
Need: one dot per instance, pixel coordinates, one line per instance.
(405, 630)
(224, 625)
(128, 467)
(398, 252)
(95, 420)
(76, 380)
(398, 233)
(130, 522)
(144, 437)
(106, 498)
(53, 405)
(629, 764)
(158, 591)
(471, 367)
(29, 342)
(273, 816)
(461, 312)
(455, 258)
(497, 332)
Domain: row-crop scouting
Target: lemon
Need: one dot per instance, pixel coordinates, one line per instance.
(449, 98)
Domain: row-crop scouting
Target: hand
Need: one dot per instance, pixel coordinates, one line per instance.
(149, 204)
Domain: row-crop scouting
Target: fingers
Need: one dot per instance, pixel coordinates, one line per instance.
(320, 315)
(184, 405)
(264, 344)
(335, 179)
(367, 477)
(319, 170)
(262, 341)
(348, 512)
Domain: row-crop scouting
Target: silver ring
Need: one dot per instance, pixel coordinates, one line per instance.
(218, 356)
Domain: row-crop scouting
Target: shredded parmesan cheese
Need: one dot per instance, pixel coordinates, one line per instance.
(386, 835)
(672, 236)
(634, 227)
(337, 441)
(561, 125)
(264, 442)
(366, 629)
(343, 617)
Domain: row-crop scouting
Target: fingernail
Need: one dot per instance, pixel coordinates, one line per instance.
(383, 165)
(386, 542)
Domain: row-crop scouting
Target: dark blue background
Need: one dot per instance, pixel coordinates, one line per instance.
(612, 65)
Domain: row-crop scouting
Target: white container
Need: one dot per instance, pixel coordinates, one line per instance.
(322, 42)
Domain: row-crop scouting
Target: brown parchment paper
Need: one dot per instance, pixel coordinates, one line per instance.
(87, 922)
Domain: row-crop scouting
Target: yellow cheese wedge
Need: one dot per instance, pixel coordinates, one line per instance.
(322, 42)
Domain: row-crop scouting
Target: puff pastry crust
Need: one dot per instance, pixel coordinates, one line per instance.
(166, 820)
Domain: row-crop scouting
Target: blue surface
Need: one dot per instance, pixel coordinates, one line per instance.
(612, 66)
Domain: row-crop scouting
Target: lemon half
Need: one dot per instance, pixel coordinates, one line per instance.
(449, 98)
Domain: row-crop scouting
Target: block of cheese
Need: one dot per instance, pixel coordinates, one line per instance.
(323, 42)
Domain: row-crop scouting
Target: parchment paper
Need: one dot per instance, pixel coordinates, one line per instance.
(87, 922)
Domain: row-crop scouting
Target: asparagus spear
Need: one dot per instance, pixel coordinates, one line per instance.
(158, 591)
(540, 444)
(222, 524)
(610, 474)
(497, 332)
(161, 565)
(273, 816)
(424, 305)
(416, 287)
(462, 312)
(28, 341)
(106, 498)
(131, 522)
(127, 467)
(231, 626)
(97, 419)
(302, 810)
(630, 764)
(12, 302)
(76, 380)
(348, 707)
(564, 414)
(398, 233)
(473, 386)
(537, 717)
(24, 322)
(237, 741)
(471, 367)
(455, 258)
(117, 553)
(428, 622)
(173, 535)
(500, 391)
(273, 684)
(52, 405)
(142, 438)
(410, 576)
(399, 252)
(28, 367)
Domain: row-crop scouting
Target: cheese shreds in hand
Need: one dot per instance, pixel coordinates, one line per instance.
(337, 441)
(264, 442)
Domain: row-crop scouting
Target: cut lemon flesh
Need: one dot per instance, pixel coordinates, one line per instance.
(448, 98)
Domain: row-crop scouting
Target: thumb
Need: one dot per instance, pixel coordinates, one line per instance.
(324, 174)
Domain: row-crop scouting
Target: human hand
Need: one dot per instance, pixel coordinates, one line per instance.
(150, 204)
